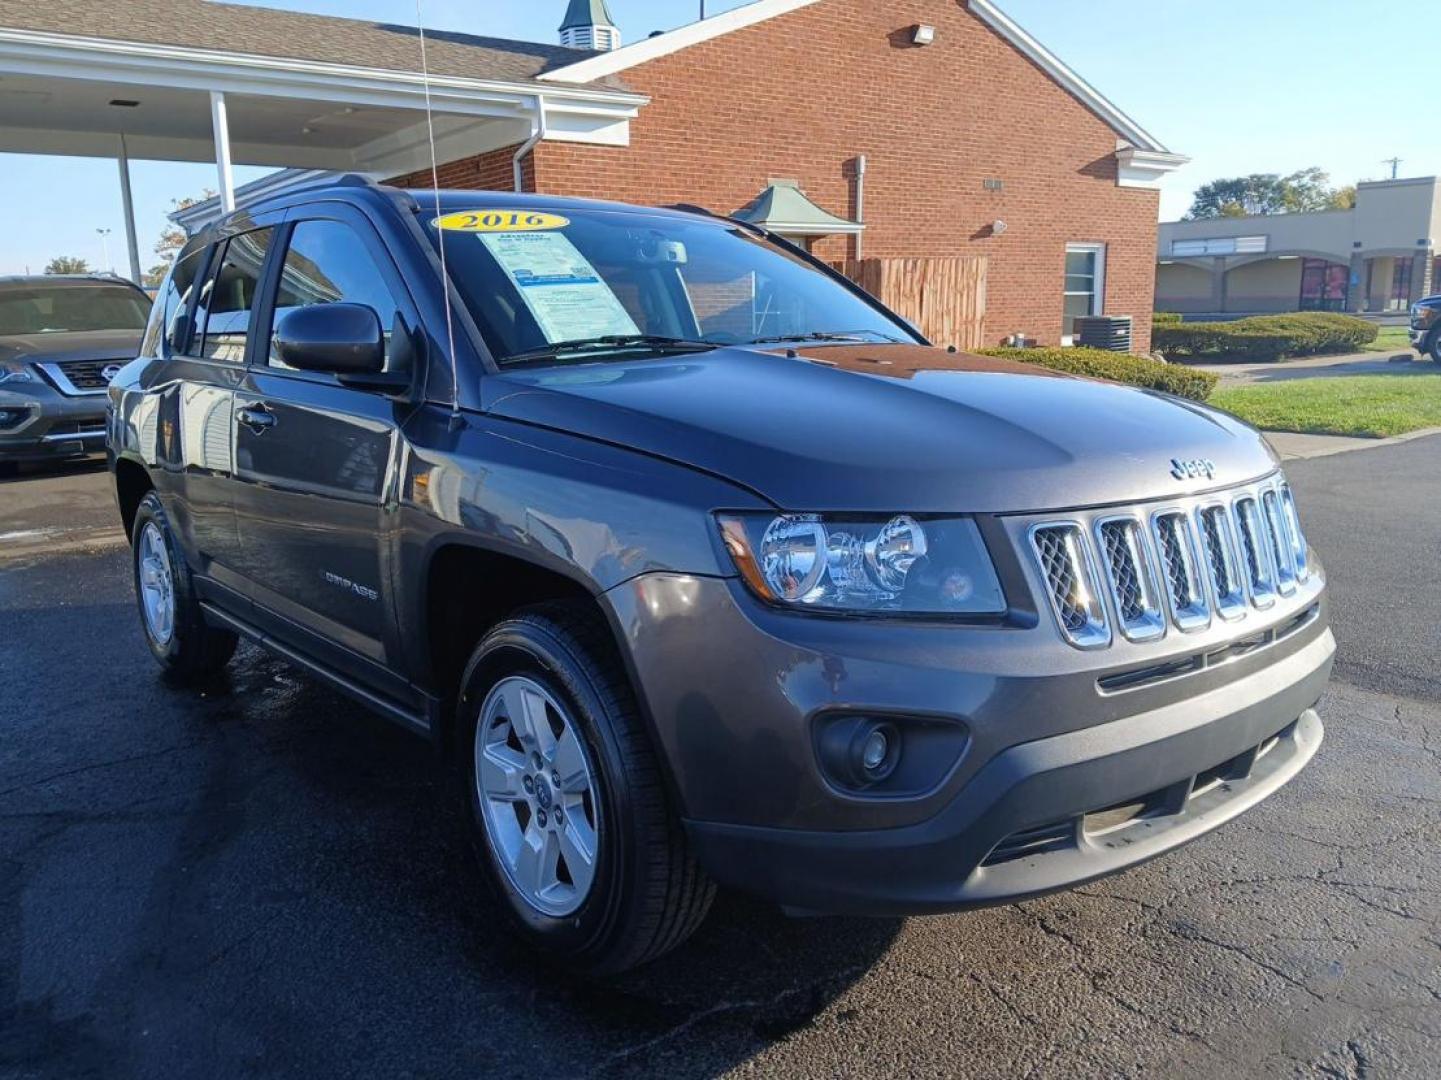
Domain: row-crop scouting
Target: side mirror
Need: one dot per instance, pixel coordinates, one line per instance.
(342, 339)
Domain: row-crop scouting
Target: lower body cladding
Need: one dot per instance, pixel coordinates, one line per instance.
(1020, 769)
(46, 425)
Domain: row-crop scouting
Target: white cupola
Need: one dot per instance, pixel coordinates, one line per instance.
(588, 25)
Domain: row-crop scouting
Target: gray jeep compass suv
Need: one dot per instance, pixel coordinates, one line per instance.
(701, 567)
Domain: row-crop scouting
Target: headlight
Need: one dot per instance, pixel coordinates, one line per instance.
(935, 566)
(12, 371)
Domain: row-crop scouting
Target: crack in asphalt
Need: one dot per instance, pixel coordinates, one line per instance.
(751, 1005)
(110, 763)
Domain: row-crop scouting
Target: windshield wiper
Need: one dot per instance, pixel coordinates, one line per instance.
(827, 335)
(612, 343)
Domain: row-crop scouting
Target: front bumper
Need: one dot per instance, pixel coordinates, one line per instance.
(1418, 337)
(53, 425)
(1059, 782)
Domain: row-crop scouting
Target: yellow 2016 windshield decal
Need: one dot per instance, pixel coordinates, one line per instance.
(490, 221)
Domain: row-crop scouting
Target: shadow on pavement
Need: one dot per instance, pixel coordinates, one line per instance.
(12, 472)
(260, 875)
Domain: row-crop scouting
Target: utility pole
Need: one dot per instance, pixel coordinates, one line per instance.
(702, 10)
(1395, 164)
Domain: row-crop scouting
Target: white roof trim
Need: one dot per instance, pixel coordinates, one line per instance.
(652, 48)
(73, 56)
(1145, 168)
(1052, 65)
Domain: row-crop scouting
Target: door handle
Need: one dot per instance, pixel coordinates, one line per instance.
(256, 417)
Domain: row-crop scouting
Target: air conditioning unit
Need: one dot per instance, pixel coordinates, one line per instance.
(1110, 332)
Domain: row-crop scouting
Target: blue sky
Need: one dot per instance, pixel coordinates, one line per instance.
(1238, 85)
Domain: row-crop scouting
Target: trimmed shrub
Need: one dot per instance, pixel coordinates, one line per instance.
(1265, 338)
(1166, 318)
(1118, 367)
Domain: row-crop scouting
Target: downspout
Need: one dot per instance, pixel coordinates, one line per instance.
(860, 200)
(538, 132)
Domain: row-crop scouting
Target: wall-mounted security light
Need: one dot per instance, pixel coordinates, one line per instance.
(998, 227)
(923, 34)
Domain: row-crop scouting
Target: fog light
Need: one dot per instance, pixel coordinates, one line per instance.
(875, 750)
(10, 418)
(860, 752)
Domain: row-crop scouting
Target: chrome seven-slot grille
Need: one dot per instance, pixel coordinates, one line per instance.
(1178, 566)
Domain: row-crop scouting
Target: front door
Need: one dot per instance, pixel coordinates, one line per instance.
(317, 462)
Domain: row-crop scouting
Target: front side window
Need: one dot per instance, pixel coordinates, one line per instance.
(534, 281)
(62, 308)
(1085, 285)
(328, 263)
(228, 297)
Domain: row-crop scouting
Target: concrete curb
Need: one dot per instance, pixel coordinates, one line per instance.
(1293, 446)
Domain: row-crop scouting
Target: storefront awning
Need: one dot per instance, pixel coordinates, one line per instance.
(783, 208)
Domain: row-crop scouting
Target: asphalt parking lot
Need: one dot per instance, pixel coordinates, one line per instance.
(262, 880)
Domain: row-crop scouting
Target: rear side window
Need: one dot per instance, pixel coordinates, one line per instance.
(328, 263)
(228, 297)
(172, 302)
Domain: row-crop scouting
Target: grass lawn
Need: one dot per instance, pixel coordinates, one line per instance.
(1392, 339)
(1368, 405)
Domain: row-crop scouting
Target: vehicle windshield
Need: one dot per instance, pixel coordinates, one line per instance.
(51, 309)
(578, 284)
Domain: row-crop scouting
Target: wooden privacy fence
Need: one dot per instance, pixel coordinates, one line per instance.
(946, 298)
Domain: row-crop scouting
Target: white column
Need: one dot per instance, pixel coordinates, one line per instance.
(221, 128)
(128, 206)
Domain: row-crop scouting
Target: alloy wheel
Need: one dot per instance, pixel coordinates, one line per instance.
(538, 795)
(157, 584)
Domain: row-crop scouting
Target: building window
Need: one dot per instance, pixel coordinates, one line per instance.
(1085, 285)
(1221, 245)
(1323, 285)
(1400, 285)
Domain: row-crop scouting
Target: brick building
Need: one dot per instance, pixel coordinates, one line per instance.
(893, 128)
(978, 141)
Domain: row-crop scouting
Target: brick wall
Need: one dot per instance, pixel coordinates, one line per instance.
(801, 95)
(492, 171)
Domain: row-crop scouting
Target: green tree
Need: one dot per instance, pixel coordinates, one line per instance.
(172, 238)
(67, 264)
(1270, 193)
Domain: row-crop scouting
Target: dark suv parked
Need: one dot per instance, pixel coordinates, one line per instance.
(61, 340)
(700, 566)
(1426, 327)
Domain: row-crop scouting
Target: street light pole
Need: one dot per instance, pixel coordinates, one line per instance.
(105, 247)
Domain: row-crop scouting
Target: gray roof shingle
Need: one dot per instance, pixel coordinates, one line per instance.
(259, 31)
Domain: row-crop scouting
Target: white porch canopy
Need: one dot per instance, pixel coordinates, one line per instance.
(94, 97)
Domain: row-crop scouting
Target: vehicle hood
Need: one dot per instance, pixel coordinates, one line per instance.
(882, 428)
(71, 345)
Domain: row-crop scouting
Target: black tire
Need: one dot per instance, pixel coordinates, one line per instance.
(648, 893)
(1433, 348)
(193, 651)
(9, 469)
